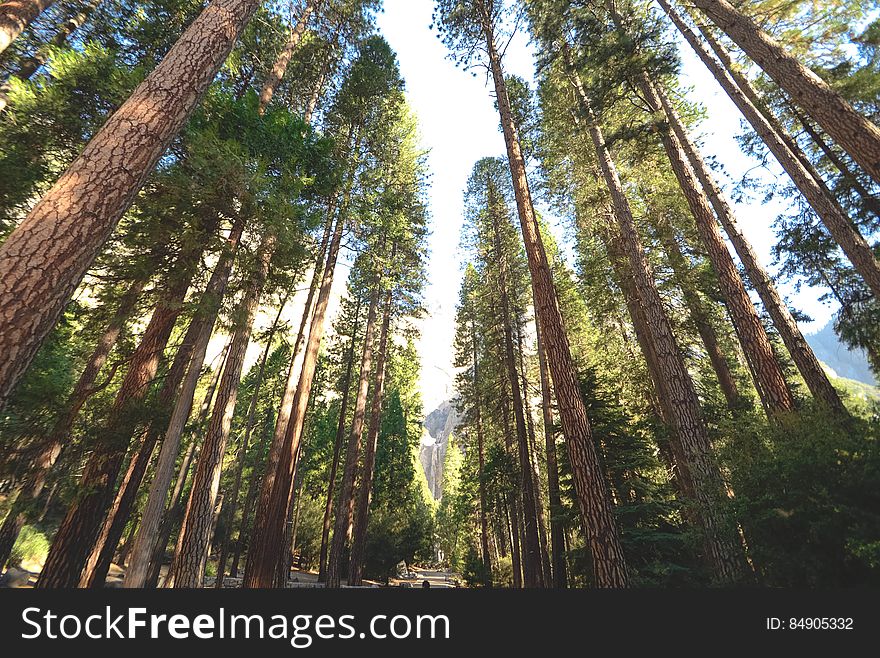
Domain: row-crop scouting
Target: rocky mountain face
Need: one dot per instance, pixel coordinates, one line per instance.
(439, 426)
(852, 364)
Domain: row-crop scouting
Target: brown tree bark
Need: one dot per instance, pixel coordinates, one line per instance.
(531, 560)
(44, 259)
(32, 64)
(769, 380)
(143, 548)
(52, 447)
(188, 568)
(337, 449)
(78, 531)
(851, 130)
(345, 502)
(283, 60)
(268, 532)
(16, 15)
(365, 490)
(786, 151)
(231, 509)
(695, 463)
(700, 318)
(557, 541)
(593, 499)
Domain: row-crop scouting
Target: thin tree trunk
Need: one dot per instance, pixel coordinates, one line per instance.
(769, 380)
(557, 542)
(32, 64)
(481, 455)
(77, 533)
(44, 259)
(851, 130)
(188, 568)
(592, 493)
(49, 452)
(232, 508)
(268, 531)
(535, 474)
(16, 15)
(286, 54)
(786, 151)
(143, 548)
(694, 461)
(801, 352)
(345, 502)
(683, 277)
(362, 505)
(337, 449)
(531, 561)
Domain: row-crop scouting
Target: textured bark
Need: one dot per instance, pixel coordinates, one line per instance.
(557, 541)
(98, 565)
(767, 374)
(534, 472)
(364, 494)
(851, 130)
(143, 548)
(531, 560)
(32, 64)
(345, 502)
(232, 507)
(174, 513)
(44, 259)
(285, 408)
(188, 568)
(79, 529)
(268, 532)
(590, 485)
(695, 463)
(786, 151)
(16, 15)
(337, 449)
(283, 60)
(700, 318)
(801, 352)
(54, 443)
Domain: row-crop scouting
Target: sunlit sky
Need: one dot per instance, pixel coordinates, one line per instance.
(459, 125)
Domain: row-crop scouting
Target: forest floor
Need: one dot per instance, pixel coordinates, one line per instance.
(26, 578)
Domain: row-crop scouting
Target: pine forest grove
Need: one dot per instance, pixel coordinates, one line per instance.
(215, 241)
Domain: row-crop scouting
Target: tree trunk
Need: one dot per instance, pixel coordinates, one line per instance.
(695, 464)
(78, 531)
(592, 493)
(286, 54)
(531, 561)
(32, 64)
(274, 501)
(16, 15)
(143, 548)
(362, 506)
(188, 568)
(557, 541)
(768, 377)
(852, 131)
(48, 455)
(345, 502)
(787, 153)
(232, 508)
(801, 352)
(337, 449)
(44, 259)
(683, 277)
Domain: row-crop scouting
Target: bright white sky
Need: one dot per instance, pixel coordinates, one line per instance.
(459, 125)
